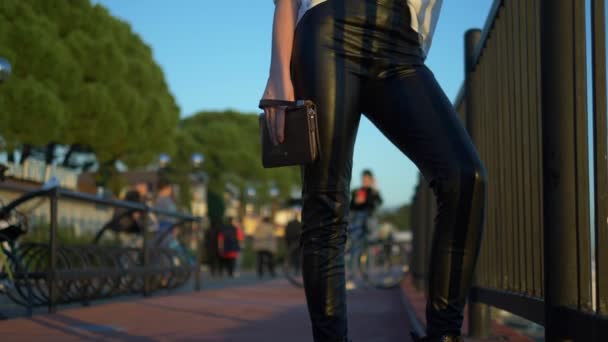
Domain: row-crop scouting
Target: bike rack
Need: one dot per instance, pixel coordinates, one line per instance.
(47, 274)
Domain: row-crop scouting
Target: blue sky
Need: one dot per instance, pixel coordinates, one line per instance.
(216, 54)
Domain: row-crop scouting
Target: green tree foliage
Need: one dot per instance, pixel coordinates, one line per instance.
(81, 76)
(400, 217)
(231, 145)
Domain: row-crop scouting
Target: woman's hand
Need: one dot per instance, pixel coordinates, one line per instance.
(277, 88)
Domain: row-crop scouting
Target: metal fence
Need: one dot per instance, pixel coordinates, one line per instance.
(52, 273)
(524, 103)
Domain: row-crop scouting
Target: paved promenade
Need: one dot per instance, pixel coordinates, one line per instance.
(264, 312)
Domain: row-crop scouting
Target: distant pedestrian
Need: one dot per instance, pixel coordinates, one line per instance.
(265, 246)
(211, 247)
(240, 234)
(292, 240)
(229, 247)
(165, 202)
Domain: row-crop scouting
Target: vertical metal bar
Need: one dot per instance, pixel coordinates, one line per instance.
(511, 261)
(419, 238)
(422, 231)
(483, 130)
(525, 95)
(494, 171)
(478, 314)
(425, 233)
(480, 320)
(598, 23)
(517, 138)
(482, 146)
(582, 157)
(504, 214)
(52, 273)
(415, 234)
(431, 208)
(524, 167)
(471, 38)
(537, 184)
(562, 216)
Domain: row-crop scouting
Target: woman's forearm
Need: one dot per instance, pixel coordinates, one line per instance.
(282, 38)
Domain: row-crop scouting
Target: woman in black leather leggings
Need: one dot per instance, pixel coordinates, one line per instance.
(363, 56)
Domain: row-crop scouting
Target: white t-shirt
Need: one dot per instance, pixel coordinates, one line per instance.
(424, 18)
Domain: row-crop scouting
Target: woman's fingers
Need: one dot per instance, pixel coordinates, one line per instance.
(280, 124)
(275, 121)
(270, 123)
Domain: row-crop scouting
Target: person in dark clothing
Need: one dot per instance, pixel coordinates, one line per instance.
(364, 202)
(128, 220)
(228, 248)
(292, 239)
(211, 247)
(366, 198)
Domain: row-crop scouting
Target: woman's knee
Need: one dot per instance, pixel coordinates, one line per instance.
(463, 176)
(324, 215)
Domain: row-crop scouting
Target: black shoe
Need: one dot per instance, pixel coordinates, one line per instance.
(443, 338)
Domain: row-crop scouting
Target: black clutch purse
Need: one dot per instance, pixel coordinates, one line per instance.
(301, 143)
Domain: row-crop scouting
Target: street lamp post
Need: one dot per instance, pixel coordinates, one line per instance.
(199, 202)
(5, 69)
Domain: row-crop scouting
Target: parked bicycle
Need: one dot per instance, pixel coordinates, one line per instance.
(90, 271)
(381, 263)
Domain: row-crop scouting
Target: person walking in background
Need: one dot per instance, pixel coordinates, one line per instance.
(364, 202)
(292, 239)
(211, 247)
(367, 56)
(265, 246)
(367, 197)
(143, 188)
(240, 234)
(229, 247)
(165, 202)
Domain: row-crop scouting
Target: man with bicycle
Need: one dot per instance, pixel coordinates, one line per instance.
(364, 202)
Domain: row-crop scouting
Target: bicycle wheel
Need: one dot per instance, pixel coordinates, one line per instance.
(292, 266)
(383, 264)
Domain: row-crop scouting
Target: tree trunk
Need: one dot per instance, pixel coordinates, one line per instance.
(26, 152)
(49, 154)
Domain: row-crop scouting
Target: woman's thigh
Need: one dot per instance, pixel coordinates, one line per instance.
(413, 112)
(332, 83)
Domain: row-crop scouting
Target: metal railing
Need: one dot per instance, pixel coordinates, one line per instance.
(524, 103)
(95, 271)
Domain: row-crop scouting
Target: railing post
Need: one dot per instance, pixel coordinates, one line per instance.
(598, 10)
(417, 239)
(565, 176)
(52, 267)
(423, 232)
(480, 320)
(471, 39)
(479, 314)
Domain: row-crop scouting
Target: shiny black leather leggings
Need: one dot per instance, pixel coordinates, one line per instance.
(361, 56)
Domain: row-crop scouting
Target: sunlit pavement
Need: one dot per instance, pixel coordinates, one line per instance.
(263, 311)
